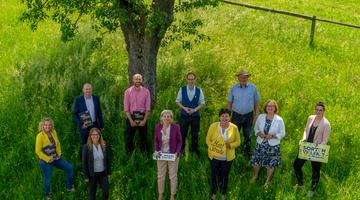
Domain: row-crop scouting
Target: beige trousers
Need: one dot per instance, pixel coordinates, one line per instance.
(161, 174)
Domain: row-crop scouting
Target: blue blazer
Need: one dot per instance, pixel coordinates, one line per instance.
(80, 106)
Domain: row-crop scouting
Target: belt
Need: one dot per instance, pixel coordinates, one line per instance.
(242, 114)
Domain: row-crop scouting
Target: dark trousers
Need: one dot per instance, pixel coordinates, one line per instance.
(102, 179)
(245, 123)
(299, 163)
(194, 123)
(130, 134)
(219, 175)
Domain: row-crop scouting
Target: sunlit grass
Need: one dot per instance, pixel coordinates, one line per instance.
(40, 76)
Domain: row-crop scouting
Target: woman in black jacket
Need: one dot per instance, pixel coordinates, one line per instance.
(96, 163)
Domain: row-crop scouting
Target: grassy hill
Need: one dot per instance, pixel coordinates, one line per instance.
(40, 76)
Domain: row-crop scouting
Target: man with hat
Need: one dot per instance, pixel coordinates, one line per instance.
(243, 100)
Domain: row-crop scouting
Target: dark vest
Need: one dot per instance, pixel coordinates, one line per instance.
(190, 104)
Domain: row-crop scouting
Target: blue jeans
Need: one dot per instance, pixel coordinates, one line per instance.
(60, 164)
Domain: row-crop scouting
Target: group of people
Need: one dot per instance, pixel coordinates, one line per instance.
(242, 112)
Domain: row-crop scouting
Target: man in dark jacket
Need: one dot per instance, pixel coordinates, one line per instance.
(87, 113)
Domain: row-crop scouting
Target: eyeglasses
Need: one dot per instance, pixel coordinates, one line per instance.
(190, 79)
(320, 110)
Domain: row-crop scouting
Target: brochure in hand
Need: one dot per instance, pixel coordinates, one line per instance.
(86, 119)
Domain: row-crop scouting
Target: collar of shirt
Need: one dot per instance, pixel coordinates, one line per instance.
(225, 131)
(246, 85)
(88, 98)
(188, 88)
(97, 151)
(167, 131)
(137, 88)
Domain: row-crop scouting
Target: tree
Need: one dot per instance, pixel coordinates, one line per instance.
(142, 22)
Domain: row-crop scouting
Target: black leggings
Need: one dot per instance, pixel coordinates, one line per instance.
(299, 163)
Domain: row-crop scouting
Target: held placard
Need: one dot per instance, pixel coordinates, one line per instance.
(218, 147)
(313, 152)
(164, 156)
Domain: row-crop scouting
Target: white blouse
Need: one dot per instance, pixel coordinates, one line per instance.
(98, 159)
(224, 134)
(165, 137)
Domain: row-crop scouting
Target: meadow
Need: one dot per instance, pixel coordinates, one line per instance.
(40, 76)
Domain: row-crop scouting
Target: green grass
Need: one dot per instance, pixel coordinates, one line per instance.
(40, 76)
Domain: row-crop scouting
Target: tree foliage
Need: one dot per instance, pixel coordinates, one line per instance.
(109, 15)
(143, 24)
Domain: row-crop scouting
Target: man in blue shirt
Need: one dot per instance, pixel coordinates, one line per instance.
(190, 100)
(243, 100)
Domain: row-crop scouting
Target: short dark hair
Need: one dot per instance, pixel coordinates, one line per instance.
(320, 104)
(224, 111)
(191, 73)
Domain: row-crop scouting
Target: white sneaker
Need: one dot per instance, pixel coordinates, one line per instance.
(310, 194)
(223, 197)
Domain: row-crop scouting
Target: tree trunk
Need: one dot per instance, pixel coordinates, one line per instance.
(143, 46)
(142, 57)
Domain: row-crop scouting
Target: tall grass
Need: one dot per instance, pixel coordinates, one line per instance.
(40, 76)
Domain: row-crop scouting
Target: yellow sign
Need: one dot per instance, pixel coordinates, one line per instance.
(313, 152)
(218, 147)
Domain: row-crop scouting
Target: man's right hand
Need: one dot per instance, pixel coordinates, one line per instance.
(188, 110)
(133, 123)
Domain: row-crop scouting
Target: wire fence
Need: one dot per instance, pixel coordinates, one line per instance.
(298, 15)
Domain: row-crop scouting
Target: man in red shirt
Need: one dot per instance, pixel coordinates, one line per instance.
(137, 109)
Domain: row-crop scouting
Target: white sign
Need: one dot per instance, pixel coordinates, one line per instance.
(164, 156)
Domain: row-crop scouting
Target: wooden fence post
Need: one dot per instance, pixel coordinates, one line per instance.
(313, 20)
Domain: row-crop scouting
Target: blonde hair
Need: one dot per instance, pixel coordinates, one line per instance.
(273, 102)
(169, 112)
(42, 122)
(101, 140)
